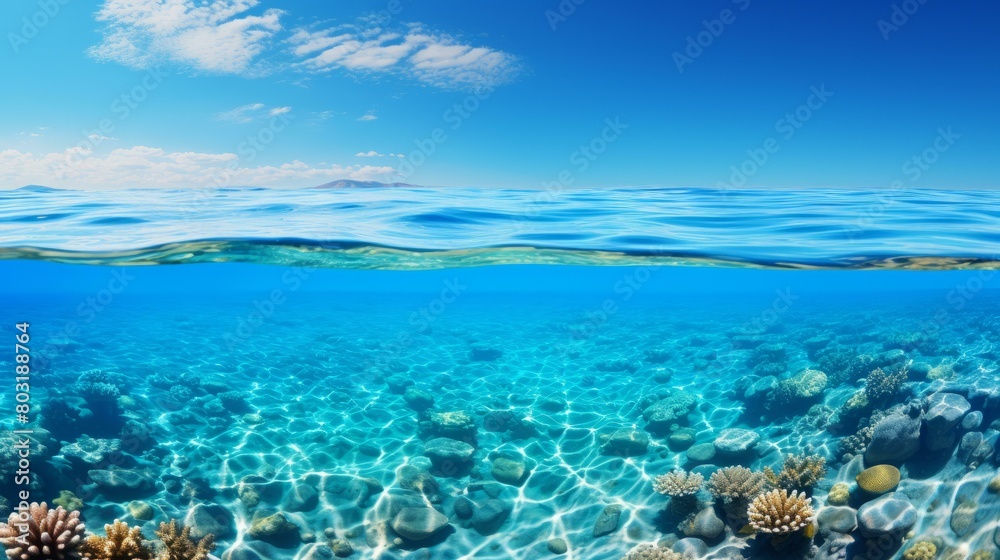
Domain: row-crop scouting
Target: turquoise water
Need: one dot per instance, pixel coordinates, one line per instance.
(372, 366)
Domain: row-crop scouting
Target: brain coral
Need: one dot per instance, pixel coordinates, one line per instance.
(878, 479)
(678, 483)
(922, 550)
(839, 495)
(778, 512)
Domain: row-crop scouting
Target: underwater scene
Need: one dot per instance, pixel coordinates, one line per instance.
(397, 373)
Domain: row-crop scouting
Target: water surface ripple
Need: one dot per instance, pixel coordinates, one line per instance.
(433, 228)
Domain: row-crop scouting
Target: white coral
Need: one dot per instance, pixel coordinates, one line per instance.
(678, 484)
(652, 552)
(779, 513)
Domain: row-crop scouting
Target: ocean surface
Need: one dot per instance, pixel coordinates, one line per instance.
(507, 374)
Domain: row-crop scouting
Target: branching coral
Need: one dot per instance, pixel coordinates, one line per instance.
(678, 484)
(882, 385)
(778, 512)
(800, 472)
(45, 534)
(733, 484)
(652, 552)
(121, 543)
(180, 546)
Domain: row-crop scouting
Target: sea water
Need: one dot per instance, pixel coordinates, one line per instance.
(472, 374)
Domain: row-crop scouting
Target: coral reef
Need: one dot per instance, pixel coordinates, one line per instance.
(799, 472)
(882, 385)
(54, 534)
(652, 552)
(921, 550)
(840, 494)
(121, 543)
(733, 484)
(178, 544)
(678, 484)
(778, 512)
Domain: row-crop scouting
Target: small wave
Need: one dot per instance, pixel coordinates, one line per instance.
(415, 228)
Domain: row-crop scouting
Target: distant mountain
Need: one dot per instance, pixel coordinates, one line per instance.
(37, 188)
(348, 184)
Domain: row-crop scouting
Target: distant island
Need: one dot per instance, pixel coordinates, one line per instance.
(347, 183)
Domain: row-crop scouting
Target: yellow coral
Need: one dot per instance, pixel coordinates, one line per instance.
(994, 485)
(839, 495)
(922, 550)
(779, 512)
(810, 383)
(878, 479)
(121, 543)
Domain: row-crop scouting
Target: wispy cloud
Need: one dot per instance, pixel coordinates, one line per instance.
(231, 37)
(433, 58)
(142, 166)
(373, 153)
(250, 112)
(369, 116)
(218, 36)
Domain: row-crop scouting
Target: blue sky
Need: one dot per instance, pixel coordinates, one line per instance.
(168, 93)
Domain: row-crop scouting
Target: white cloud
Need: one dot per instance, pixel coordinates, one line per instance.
(373, 153)
(436, 59)
(216, 36)
(143, 166)
(251, 112)
(369, 116)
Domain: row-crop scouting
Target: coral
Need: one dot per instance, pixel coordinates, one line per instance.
(652, 552)
(678, 484)
(983, 555)
(844, 366)
(68, 500)
(121, 543)
(808, 384)
(878, 479)
(994, 485)
(799, 472)
(942, 371)
(733, 484)
(778, 512)
(839, 495)
(51, 534)
(179, 545)
(856, 444)
(235, 402)
(921, 550)
(883, 385)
